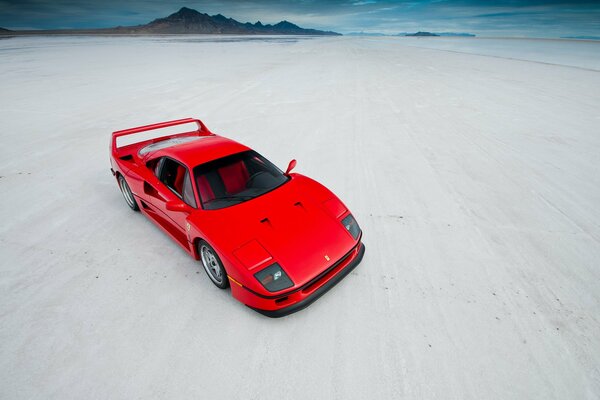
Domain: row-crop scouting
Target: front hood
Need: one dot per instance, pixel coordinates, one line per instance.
(290, 222)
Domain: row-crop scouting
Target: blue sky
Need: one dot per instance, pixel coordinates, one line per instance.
(485, 18)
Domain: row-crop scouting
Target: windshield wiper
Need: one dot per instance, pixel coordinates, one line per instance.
(247, 197)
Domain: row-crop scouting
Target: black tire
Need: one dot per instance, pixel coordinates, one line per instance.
(212, 265)
(127, 194)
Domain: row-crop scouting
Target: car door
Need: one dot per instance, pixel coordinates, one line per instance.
(171, 182)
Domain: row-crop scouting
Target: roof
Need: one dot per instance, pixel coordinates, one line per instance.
(196, 152)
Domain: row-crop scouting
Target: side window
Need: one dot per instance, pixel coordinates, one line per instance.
(155, 166)
(188, 192)
(158, 166)
(172, 174)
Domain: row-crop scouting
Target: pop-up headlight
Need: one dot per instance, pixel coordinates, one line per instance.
(352, 226)
(274, 278)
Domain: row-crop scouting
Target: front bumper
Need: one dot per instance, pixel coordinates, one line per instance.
(300, 298)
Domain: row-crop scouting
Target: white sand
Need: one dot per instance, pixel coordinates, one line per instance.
(476, 180)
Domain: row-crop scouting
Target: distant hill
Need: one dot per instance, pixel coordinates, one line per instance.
(422, 34)
(5, 30)
(581, 37)
(458, 34)
(188, 21)
(372, 34)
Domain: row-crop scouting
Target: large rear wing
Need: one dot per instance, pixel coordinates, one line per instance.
(201, 130)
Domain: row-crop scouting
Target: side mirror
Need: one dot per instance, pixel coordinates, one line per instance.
(176, 205)
(290, 167)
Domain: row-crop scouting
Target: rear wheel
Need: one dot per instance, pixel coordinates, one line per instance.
(127, 194)
(212, 265)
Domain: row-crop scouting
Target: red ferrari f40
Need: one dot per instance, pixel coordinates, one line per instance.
(278, 239)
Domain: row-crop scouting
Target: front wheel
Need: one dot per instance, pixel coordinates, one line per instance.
(127, 194)
(212, 265)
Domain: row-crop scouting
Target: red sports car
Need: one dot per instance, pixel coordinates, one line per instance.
(279, 239)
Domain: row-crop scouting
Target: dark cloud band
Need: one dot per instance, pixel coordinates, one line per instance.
(499, 17)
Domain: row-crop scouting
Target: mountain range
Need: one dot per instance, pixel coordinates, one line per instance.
(421, 33)
(450, 34)
(189, 21)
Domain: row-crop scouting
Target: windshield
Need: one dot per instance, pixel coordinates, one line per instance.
(234, 179)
